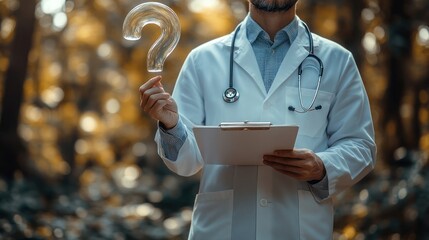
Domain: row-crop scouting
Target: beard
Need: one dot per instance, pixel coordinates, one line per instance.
(274, 5)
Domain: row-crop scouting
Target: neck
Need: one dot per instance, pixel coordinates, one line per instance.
(272, 22)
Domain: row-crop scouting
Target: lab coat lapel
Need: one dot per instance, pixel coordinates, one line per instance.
(245, 58)
(297, 52)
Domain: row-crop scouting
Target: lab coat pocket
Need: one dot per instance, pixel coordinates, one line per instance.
(315, 219)
(212, 216)
(312, 123)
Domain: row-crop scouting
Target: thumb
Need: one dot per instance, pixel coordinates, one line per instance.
(158, 83)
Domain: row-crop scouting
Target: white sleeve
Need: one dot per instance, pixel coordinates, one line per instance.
(351, 147)
(187, 94)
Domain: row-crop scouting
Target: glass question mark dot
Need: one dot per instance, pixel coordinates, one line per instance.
(162, 16)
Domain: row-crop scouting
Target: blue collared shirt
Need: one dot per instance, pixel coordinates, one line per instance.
(270, 54)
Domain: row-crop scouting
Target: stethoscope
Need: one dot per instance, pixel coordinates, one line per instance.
(231, 94)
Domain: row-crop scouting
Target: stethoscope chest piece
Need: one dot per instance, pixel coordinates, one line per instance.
(231, 95)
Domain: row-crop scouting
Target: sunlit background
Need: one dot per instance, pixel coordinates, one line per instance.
(78, 160)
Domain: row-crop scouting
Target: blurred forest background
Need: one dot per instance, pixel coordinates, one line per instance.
(78, 160)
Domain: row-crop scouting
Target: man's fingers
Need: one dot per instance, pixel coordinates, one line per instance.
(157, 106)
(295, 153)
(154, 98)
(150, 83)
(298, 162)
(285, 167)
(148, 94)
(292, 171)
(159, 84)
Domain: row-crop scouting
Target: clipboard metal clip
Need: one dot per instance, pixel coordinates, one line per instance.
(244, 126)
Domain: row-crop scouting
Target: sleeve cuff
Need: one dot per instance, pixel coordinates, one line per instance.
(320, 189)
(178, 131)
(322, 184)
(172, 139)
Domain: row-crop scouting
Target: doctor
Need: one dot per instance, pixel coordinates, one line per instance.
(291, 196)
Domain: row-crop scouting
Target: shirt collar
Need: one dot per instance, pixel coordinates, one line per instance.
(254, 30)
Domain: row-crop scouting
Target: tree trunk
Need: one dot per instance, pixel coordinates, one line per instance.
(12, 150)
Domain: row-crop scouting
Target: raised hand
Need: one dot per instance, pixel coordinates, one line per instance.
(158, 103)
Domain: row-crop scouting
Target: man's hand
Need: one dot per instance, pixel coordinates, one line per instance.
(301, 164)
(158, 103)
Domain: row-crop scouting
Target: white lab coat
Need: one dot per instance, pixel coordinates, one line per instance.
(256, 202)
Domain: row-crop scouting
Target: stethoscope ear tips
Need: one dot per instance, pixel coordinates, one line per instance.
(292, 109)
(231, 95)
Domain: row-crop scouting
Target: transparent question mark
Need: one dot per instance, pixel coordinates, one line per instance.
(162, 16)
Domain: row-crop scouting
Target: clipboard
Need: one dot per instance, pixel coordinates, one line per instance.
(242, 143)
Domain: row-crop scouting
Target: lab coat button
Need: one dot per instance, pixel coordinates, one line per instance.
(263, 202)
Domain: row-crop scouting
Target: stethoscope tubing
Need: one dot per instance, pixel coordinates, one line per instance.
(231, 94)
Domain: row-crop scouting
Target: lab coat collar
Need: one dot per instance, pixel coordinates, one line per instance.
(245, 57)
